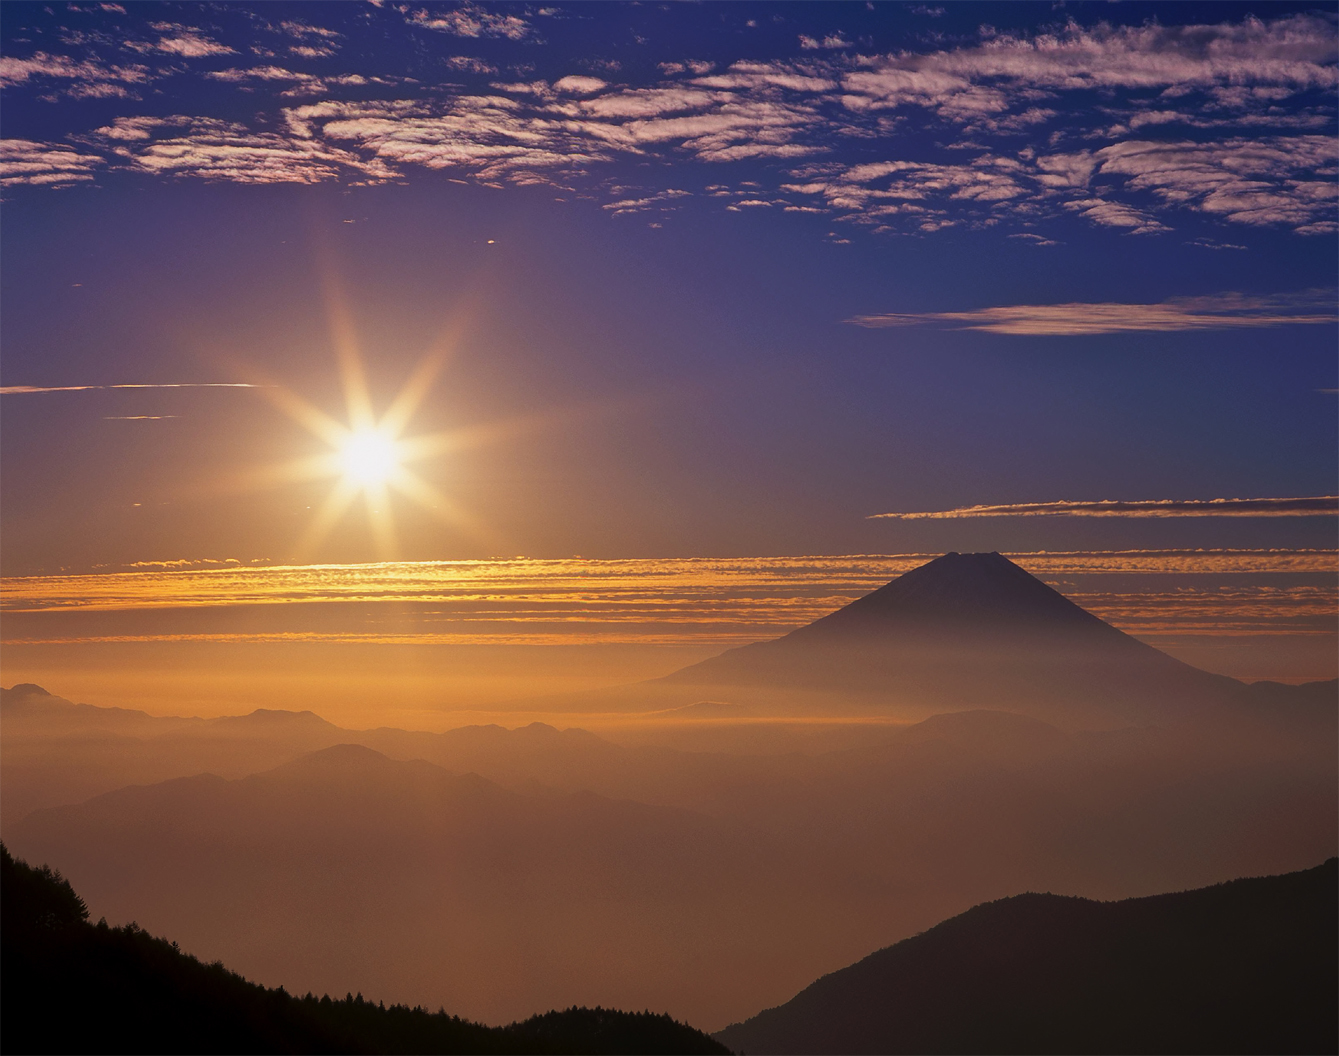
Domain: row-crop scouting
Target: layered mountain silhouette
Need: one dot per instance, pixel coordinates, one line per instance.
(1243, 967)
(710, 885)
(967, 631)
(345, 869)
(69, 986)
(1049, 751)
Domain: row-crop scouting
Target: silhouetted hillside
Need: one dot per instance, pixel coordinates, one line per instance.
(1243, 967)
(69, 986)
(967, 630)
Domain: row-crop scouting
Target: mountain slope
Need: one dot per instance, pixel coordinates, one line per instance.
(1246, 966)
(67, 986)
(968, 630)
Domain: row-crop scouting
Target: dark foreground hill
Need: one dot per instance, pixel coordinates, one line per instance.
(73, 987)
(1243, 967)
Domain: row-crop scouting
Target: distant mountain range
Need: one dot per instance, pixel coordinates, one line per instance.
(1248, 966)
(344, 869)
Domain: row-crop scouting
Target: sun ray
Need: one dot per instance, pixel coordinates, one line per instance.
(368, 453)
(321, 425)
(334, 507)
(434, 502)
(378, 500)
(414, 390)
(292, 471)
(343, 336)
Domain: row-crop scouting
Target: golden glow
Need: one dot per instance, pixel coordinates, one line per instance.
(368, 455)
(668, 601)
(369, 458)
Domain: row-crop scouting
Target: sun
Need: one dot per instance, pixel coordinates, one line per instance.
(369, 458)
(369, 453)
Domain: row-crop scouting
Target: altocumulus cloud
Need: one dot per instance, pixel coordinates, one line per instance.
(1312, 506)
(1219, 312)
(1123, 127)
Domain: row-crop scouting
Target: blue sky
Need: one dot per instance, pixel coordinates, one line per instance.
(720, 278)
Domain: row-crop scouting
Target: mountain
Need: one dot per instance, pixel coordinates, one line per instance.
(965, 631)
(705, 883)
(1243, 967)
(347, 870)
(68, 986)
(55, 751)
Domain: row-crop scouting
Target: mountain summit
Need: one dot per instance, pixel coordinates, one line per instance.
(965, 592)
(966, 630)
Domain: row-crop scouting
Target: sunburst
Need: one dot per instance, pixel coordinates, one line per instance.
(370, 456)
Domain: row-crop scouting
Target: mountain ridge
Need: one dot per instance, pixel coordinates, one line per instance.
(1243, 966)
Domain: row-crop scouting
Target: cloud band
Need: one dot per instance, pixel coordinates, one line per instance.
(21, 390)
(1218, 312)
(1313, 506)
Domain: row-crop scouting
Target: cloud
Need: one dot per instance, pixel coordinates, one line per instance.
(1219, 312)
(468, 64)
(834, 40)
(469, 20)
(1315, 506)
(1040, 124)
(490, 137)
(306, 31)
(191, 45)
(579, 85)
(637, 205)
(670, 69)
(44, 164)
(749, 74)
(88, 78)
(258, 73)
(669, 600)
(1294, 53)
(225, 151)
(1258, 182)
(19, 390)
(1106, 213)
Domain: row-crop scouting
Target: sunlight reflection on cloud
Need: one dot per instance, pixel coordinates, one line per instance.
(686, 600)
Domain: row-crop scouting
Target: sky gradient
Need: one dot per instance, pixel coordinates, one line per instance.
(666, 282)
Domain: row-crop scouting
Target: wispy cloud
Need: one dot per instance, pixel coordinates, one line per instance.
(183, 41)
(306, 31)
(1219, 312)
(669, 601)
(40, 164)
(834, 40)
(228, 152)
(75, 78)
(471, 20)
(1123, 127)
(1313, 506)
(19, 390)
